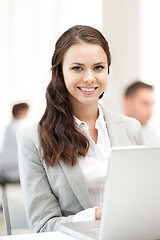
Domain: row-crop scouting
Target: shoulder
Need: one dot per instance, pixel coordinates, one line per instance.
(29, 134)
(124, 127)
(120, 118)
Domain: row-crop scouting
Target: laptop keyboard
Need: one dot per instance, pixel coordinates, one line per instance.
(96, 230)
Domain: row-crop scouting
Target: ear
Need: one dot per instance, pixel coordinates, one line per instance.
(127, 104)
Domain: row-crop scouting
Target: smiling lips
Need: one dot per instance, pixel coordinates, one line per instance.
(87, 90)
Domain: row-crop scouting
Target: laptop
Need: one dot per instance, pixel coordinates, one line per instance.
(131, 204)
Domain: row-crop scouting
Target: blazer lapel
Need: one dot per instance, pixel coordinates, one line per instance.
(76, 180)
(116, 130)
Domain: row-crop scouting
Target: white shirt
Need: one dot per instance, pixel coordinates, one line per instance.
(94, 165)
(151, 139)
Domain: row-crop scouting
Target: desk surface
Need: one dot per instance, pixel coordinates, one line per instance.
(39, 236)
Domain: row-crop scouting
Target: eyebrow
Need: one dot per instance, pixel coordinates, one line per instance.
(99, 63)
(76, 63)
(81, 64)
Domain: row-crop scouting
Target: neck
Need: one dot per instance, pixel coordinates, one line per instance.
(86, 112)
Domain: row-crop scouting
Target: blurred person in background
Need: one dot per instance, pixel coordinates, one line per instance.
(9, 156)
(138, 103)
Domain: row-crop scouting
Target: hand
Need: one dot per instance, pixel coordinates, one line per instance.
(98, 213)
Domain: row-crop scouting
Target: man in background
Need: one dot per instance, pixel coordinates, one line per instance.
(138, 103)
(9, 156)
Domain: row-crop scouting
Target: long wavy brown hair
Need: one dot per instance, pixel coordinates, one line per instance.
(59, 136)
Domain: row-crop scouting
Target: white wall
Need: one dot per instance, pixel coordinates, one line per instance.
(4, 62)
(122, 30)
(150, 52)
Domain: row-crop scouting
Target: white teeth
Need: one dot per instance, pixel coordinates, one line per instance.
(88, 89)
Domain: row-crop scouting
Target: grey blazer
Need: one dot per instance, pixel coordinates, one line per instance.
(52, 194)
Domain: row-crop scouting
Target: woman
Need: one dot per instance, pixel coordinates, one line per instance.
(63, 160)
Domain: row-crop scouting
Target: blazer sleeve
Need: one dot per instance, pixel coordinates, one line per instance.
(42, 208)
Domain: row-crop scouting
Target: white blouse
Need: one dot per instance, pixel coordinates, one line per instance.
(95, 164)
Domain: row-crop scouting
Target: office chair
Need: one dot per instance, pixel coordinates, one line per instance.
(4, 183)
(14, 215)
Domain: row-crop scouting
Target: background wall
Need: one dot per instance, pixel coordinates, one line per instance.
(122, 29)
(150, 52)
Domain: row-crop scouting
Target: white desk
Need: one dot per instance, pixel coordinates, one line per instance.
(39, 236)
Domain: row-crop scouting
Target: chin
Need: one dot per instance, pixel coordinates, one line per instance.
(89, 102)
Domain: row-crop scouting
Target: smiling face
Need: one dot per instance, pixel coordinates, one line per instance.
(85, 72)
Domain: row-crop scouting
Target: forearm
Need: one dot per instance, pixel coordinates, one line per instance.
(85, 215)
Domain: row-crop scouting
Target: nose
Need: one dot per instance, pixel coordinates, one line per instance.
(89, 77)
